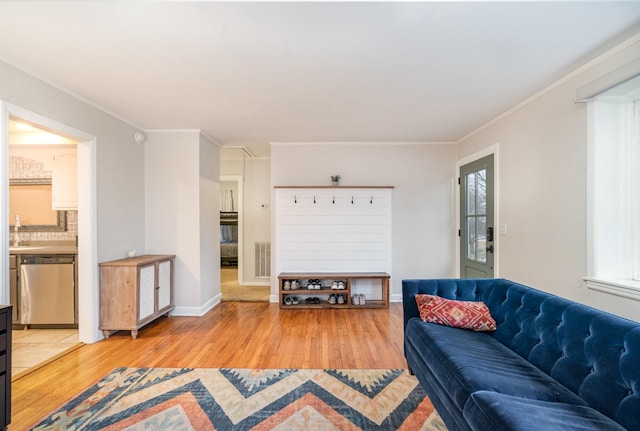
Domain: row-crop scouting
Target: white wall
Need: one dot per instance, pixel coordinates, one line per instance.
(119, 160)
(256, 191)
(117, 202)
(182, 204)
(209, 221)
(543, 168)
(422, 209)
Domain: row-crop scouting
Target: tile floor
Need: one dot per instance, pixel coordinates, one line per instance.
(35, 347)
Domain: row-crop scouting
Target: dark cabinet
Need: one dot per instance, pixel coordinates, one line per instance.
(5, 366)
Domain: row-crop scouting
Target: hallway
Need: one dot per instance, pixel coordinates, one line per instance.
(233, 292)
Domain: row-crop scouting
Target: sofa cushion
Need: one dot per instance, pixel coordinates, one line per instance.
(492, 411)
(467, 361)
(473, 315)
(592, 353)
(462, 289)
(448, 410)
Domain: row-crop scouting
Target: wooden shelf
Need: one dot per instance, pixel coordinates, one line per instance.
(323, 294)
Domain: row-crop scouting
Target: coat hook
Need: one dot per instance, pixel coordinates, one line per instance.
(295, 199)
(314, 199)
(334, 199)
(371, 200)
(352, 200)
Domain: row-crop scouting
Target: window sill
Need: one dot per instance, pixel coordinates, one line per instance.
(629, 289)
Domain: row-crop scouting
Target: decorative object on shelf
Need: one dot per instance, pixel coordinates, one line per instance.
(335, 179)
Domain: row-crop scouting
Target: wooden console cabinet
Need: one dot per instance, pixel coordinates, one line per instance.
(377, 289)
(134, 292)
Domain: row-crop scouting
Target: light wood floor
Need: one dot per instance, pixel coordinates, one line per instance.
(234, 335)
(232, 291)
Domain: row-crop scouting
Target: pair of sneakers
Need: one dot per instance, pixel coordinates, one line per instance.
(358, 299)
(291, 300)
(337, 299)
(291, 285)
(337, 285)
(314, 284)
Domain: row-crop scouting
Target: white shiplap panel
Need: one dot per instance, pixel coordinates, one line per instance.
(344, 240)
(333, 230)
(342, 228)
(344, 219)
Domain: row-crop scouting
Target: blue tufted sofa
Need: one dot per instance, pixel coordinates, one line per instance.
(552, 364)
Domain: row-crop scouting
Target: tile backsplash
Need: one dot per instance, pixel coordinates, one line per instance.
(27, 168)
(69, 235)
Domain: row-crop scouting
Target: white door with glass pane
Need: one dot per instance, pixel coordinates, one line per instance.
(476, 219)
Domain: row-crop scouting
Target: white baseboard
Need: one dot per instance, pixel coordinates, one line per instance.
(197, 311)
(396, 297)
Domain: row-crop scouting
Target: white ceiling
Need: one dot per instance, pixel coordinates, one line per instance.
(253, 73)
(22, 133)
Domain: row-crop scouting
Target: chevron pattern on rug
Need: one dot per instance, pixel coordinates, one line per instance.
(249, 399)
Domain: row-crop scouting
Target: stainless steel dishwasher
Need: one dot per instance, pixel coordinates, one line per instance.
(47, 290)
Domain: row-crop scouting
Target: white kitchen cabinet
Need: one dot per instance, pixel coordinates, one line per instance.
(134, 292)
(64, 180)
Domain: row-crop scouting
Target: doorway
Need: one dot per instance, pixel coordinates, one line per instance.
(232, 278)
(43, 213)
(231, 234)
(477, 222)
(231, 262)
(87, 273)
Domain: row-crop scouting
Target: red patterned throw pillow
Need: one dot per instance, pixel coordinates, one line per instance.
(459, 314)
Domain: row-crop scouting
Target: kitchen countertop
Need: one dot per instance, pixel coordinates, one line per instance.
(45, 248)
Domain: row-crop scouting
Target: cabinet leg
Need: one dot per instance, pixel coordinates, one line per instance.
(106, 334)
(134, 334)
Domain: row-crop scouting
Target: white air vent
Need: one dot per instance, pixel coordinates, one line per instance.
(262, 262)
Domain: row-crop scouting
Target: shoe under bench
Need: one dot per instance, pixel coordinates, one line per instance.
(373, 285)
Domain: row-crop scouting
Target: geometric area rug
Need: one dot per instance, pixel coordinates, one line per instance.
(201, 399)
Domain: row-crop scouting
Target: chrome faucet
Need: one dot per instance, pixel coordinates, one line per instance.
(16, 236)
